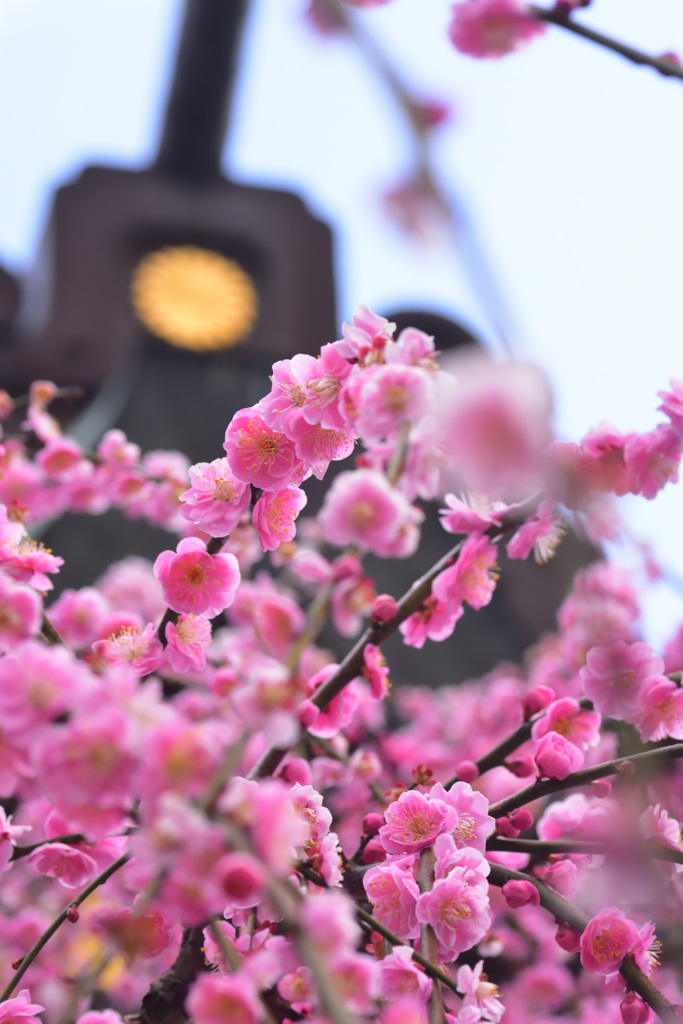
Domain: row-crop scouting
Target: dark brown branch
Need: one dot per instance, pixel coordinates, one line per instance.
(663, 65)
(545, 787)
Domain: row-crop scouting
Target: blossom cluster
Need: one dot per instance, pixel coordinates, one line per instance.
(174, 738)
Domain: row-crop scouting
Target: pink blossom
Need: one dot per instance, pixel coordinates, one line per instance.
(471, 514)
(139, 934)
(77, 615)
(478, 991)
(330, 922)
(520, 894)
(20, 1010)
(634, 1010)
(284, 406)
(393, 893)
(472, 578)
(20, 613)
(388, 396)
(356, 978)
(28, 562)
(73, 866)
(542, 532)
(195, 581)
(556, 756)
(363, 508)
(217, 500)
(566, 717)
(613, 677)
(474, 823)
(366, 336)
(259, 455)
(497, 420)
(60, 457)
(414, 821)
(38, 683)
(652, 460)
(661, 713)
(274, 516)
(134, 646)
(607, 939)
(401, 976)
(186, 641)
(457, 911)
(433, 620)
(242, 879)
(376, 672)
(216, 999)
(672, 405)
(317, 446)
(492, 28)
(656, 825)
(8, 834)
(278, 621)
(323, 386)
(384, 608)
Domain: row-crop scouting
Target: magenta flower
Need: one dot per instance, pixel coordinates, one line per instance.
(479, 992)
(556, 756)
(20, 613)
(474, 823)
(399, 975)
(520, 894)
(275, 514)
(363, 508)
(613, 677)
(492, 28)
(20, 1010)
(217, 500)
(457, 911)
(217, 999)
(661, 714)
(414, 821)
(472, 578)
(606, 940)
(195, 581)
(186, 641)
(569, 719)
(259, 455)
(393, 893)
(134, 646)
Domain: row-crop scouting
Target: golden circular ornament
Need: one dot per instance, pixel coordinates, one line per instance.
(194, 298)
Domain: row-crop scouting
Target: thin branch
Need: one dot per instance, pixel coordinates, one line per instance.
(378, 632)
(663, 65)
(33, 952)
(545, 787)
(576, 918)
(590, 847)
(23, 851)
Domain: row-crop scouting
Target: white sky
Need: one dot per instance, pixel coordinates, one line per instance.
(570, 160)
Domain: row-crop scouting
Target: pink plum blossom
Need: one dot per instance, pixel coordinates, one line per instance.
(472, 578)
(132, 645)
(393, 893)
(195, 581)
(433, 620)
(492, 28)
(388, 396)
(20, 1009)
(566, 717)
(474, 823)
(401, 976)
(186, 641)
(217, 500)
(652, 460)
(260, 455)
(479, 992)
(20, 613)
(216, 999)
(363, 508)
(542, 532)
(613, 677)
(414, 821)
(661, 709)
(606, 940)
(457, 911)
(556, 756)
(274, 516)
(471, 514)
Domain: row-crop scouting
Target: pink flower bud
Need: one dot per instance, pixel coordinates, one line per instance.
(601, 788)
(373, 853)
(536, 700)
(635, 1011)
(372, 823)
(298, 770)
(520, 894)
(307, 713)
(72, 914)
(626, 769)
(522, 767)
(504, 827)
(384, 607)
(242, 879)
(522, 818)
(556, 756)
(567, 938)
(467, 771)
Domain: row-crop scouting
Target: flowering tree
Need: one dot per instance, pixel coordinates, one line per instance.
(205, 815)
